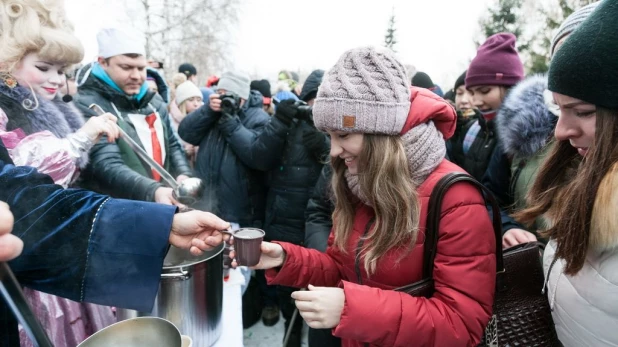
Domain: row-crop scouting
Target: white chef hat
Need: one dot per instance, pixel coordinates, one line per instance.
(114, 41)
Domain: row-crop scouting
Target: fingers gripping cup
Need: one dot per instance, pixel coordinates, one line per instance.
(247, 244)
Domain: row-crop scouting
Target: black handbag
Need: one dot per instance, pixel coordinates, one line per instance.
(521, 311)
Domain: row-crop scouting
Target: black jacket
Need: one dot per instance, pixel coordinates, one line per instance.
(114, 168)
(292, 181)
(233, 154)
(525, 126)
(476, 160)
(454, 145)
(318, 216)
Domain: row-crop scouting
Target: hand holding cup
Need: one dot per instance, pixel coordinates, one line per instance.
(271, 256)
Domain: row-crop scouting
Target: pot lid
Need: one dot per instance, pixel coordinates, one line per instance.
(177, 257)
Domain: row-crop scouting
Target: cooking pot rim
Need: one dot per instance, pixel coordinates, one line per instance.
(106, 330)
(191, 260)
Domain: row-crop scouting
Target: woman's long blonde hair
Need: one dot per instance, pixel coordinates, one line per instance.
(36, 26)
(385, 180)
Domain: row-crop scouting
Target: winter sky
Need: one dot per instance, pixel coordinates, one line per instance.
(436, 36)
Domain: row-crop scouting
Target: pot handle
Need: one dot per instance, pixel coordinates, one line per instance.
(182, 275)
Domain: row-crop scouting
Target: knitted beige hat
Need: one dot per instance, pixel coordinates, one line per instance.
(185, 91)
(367, 91)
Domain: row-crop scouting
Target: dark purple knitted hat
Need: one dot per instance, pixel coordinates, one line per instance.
(496, 63)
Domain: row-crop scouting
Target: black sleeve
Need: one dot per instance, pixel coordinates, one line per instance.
(194, 127)
(260, 147)
(318, 215)
(109, 170)
(497, 179)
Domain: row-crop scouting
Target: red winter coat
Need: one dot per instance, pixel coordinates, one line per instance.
(464, 272)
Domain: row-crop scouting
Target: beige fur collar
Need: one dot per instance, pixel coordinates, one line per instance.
(604, 223)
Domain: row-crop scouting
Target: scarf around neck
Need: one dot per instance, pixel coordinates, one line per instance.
(425, 149)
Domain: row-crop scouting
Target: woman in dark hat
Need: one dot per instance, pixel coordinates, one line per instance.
(576, 189)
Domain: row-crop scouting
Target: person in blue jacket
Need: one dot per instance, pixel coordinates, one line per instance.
(89, 247)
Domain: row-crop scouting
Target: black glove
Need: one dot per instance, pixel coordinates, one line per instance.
(315, 141)
(286, 111)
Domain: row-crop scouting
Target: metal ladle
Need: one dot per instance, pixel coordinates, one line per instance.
(187, 192)
(10, 290)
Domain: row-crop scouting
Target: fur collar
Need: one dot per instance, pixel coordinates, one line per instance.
(604, 223)
(524, 122)
(56, 116)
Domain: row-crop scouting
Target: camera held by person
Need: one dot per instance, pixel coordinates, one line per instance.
(230, 103)
(289, 109)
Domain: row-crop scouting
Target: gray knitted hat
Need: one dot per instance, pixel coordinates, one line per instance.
(367, 91)
(235, 82)
(571, 23)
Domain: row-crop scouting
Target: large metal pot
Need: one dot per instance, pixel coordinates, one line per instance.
(190, 295)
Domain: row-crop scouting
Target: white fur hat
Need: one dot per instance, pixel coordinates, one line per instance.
(185, 91)
(114, 41)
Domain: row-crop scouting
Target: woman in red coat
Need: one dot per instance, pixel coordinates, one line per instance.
(387, 152)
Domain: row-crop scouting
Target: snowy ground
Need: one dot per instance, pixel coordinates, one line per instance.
(260, 335)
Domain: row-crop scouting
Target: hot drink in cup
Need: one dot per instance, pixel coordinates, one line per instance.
(247, 244)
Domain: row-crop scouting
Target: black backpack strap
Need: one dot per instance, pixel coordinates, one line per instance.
(433, 222)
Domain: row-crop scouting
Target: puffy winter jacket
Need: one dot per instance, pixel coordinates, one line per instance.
(525, 128)
(373, 313)
(114, 168)
(233, 154)
(293, 180)
(290, 186)
(585, 306)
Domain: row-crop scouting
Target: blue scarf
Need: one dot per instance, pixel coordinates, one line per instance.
(99, 73)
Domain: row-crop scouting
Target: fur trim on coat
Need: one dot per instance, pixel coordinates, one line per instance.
(56, 116)
(524, 122)
(604, 224)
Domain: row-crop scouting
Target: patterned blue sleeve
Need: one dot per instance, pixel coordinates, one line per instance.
(85, 246)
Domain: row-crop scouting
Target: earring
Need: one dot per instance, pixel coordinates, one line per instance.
(8, 80)
(28, 104)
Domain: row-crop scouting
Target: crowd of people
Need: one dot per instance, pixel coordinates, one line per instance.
(336, 169)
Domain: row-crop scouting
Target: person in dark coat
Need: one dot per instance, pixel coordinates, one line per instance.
(495, 69)
(117, 83)
(467, 116)
(422, 80)
(318, 215)
(290, 185)
(162, 88)
(236, 146)
(263, 86)
(526, 124)
(89, 247)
